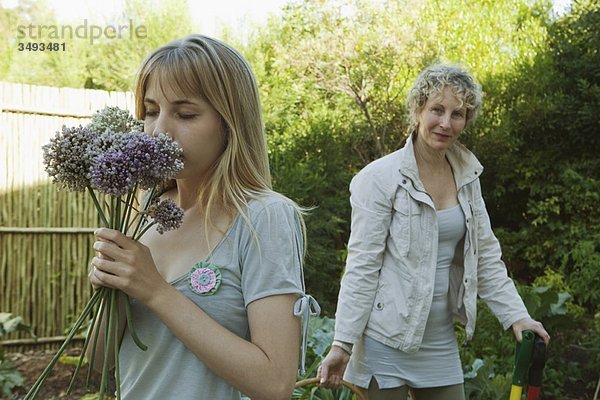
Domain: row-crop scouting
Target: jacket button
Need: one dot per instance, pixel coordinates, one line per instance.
(379, 306)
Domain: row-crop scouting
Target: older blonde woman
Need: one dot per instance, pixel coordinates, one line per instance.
(421, 250)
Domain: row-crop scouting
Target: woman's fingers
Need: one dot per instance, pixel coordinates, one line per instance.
(99, 278)
(114, 236)
(332, 368)
(530, 324)
(322, 374)
(107, 250)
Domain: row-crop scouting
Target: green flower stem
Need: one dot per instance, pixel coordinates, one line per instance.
(110, 305)
(135, 218)
(44, 375)
(145, 205)
(135, 235)
(132, 331)
(98, 206)
(129, 206)
(149, 198)
(95, 332)
(117, 222)
(83, 350)
(113, 216)
(116, 348)
(146, 227)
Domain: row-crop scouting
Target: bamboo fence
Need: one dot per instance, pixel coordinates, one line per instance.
(45, 235)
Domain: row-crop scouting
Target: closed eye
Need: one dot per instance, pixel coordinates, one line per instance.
(187, 116)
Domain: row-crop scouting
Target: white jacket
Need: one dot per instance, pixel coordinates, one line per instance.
(387, 288)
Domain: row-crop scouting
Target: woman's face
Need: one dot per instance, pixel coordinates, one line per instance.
(441, 120)
(191, 121)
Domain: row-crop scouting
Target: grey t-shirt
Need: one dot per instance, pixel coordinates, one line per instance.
(253, 265)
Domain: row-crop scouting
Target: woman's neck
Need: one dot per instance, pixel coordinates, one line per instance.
(429, 159)
(186, 195)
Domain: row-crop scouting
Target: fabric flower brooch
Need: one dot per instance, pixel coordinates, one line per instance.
(205, 278)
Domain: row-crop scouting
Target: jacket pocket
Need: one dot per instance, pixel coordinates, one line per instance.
(472, 228)
(385, 313)
(405, 225)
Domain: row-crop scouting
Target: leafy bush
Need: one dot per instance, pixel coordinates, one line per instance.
(482, 382)
(9, 376)
(489, 357)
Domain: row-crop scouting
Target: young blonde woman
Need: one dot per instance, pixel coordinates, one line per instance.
(421, 251)
(213, 300)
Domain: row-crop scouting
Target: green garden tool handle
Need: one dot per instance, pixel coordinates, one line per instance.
(523, 355)
(536, 369)
(523, 358)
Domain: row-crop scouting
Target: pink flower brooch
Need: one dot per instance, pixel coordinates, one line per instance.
(205, 278)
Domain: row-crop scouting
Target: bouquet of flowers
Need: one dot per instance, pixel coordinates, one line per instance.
(114, 162)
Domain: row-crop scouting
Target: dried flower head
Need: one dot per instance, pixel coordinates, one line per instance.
(112, 173)
(68, 156)
(108, 140)
(167, 215)
(155, 158)
(116, 120)
(122, 161)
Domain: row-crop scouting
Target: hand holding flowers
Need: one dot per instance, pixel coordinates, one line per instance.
(114, 161)
(127, 265)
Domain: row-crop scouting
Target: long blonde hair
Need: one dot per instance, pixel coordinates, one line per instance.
(216, 72)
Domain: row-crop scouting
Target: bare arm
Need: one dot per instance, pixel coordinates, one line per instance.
(263, 368)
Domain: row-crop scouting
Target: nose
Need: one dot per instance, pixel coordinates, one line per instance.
(445, 121)
(160, 125)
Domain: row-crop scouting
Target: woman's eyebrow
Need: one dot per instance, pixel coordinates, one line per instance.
(184, 101)
(175, 102)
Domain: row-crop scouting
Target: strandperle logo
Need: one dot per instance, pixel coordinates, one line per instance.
(94, 33)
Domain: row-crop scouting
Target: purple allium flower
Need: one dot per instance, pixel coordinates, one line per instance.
(155, 158)
(167, 215)
(146, 160)
(133, 158)
(116, 120)
(112, 173)
(68, 156)
(109, 140)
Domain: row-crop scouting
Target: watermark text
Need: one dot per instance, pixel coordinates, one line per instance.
(91, 32)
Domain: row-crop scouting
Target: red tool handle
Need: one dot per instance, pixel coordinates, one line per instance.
(534, 393)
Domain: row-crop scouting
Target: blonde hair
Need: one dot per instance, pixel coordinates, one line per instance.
(433, 80)
(216, 72)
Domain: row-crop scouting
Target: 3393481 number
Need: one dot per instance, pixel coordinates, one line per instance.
(42, 46)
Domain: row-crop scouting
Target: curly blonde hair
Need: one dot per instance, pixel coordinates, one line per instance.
(433, 80)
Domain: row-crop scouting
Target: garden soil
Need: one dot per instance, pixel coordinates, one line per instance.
(31, 364)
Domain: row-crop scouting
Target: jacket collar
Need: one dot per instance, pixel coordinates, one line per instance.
(465, 165)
